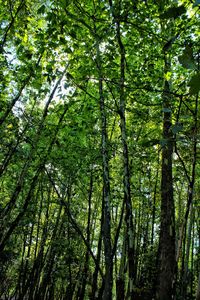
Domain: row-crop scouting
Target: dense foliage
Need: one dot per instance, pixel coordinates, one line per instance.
(99, 160)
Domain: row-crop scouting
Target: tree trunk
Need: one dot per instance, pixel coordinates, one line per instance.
(94, 293)
(167, 221)
(126, 170)
(198, 289)
(81, 295)
(107, 293)
(185, 281)
(120, 282)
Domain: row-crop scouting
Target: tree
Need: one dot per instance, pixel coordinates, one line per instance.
(99, 149)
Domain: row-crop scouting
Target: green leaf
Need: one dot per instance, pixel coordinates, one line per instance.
(66, 85)
(197, 2)
(163, 142)
(68, 49)
(72, 33)
(166, 110)
(194, 84)
(69, 75)
(187, 59)
(41, 10)
(173, 12)
(149, 143)
(177, 128)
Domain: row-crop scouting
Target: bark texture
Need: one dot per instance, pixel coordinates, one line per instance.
(167, 221)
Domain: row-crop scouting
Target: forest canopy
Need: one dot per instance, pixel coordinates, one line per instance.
(99, 139)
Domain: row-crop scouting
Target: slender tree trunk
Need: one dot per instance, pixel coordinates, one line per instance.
(126, 170)
(21, 278)
(185, 282)
(26, 264)
(50, 261)
(34, 277)
(107, 293)
(86, 264)
(94, 293)
(120, 283)
(183, 229)
(198, 289)
(154, 205)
